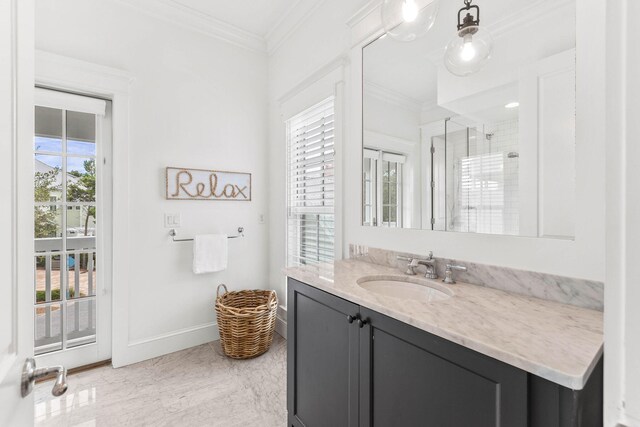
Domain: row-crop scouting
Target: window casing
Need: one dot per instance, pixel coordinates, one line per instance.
(310, 185)
(382, 188)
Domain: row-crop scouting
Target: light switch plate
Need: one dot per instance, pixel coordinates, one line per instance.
(172, 220)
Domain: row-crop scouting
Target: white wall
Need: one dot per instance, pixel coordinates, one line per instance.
(195, 102)
(314, 51)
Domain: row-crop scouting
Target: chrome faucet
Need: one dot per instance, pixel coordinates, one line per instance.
(448, 273)
(429, 262)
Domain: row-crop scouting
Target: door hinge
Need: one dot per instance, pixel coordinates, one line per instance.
(433, 221)
(433, 149)
(433, 184)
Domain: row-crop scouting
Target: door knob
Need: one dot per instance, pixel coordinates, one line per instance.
(362, 322)
(30, 374)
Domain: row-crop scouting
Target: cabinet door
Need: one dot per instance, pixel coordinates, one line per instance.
(411, 378)
(322, 351)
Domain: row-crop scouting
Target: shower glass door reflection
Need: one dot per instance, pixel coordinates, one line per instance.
(480, 173)
(66, 225)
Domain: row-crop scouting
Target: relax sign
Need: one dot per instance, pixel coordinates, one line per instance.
(200, 184)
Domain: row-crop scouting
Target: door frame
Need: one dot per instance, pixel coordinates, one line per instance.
(100, 349)
(67, 74)
(16, 127)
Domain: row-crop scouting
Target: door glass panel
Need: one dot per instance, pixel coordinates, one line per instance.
(48, 278)
(48, 228)
(47, 178)
(81, 179)
(65, 228)
(81, 227)
(81, 322)
(48, 328)
(81, 133)
(48, 132)
(81, 275)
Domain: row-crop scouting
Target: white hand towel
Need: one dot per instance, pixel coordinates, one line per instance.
(209, 253)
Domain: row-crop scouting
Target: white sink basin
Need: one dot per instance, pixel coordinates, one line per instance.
(408, 288)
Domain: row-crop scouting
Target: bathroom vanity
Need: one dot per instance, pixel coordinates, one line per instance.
(478, 357)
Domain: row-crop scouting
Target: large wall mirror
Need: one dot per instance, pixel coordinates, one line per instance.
(492, 152)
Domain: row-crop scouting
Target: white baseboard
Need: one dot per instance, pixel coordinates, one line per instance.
(148, 348)
(281, 322)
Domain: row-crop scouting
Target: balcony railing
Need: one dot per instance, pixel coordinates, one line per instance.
(64, 315)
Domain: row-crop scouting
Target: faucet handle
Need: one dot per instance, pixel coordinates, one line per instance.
(448, 273)
(411, 268)
(430, 255)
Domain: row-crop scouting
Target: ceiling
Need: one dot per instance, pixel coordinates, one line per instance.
(523, 31)
(255, 16)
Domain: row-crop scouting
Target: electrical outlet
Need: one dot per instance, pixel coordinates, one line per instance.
(172, 220)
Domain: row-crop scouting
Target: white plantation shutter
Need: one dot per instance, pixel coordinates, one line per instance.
(310, 183)
(482, 193)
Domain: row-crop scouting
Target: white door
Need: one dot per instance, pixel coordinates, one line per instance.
(72, 193)
(16, 216)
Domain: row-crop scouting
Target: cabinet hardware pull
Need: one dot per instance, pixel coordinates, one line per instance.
(351, 318)
(362, 322)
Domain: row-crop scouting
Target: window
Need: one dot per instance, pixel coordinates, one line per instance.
(382, 192)
(310, 184)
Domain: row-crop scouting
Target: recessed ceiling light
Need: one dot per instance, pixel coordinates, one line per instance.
(512, 105)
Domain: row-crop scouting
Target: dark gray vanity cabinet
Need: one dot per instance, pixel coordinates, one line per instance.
(351, 366)
(411, 378)
(322, 354)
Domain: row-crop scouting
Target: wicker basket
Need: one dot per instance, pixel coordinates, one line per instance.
(246, 320)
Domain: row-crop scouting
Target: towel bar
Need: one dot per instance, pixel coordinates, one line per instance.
(173, 233)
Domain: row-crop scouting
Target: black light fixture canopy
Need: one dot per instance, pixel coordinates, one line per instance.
(468, 24)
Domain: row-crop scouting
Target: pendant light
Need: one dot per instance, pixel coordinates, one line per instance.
(470, 49)
(406, 20)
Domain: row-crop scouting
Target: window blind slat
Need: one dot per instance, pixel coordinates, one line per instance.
(310, 183)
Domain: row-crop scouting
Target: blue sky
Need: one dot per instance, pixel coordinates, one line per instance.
(73, 147)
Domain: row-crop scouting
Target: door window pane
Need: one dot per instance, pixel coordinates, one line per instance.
(48, 328)
(81, 322)
(81, 275)
(81, 227)
(48, 228)
(81, 133)
(47, 178)
(81, 179)
(48, 278)
(48, 129)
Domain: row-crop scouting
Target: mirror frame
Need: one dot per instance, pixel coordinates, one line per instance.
(553, 256)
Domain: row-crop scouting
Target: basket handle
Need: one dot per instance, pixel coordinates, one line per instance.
(272, 296)
(221, 285)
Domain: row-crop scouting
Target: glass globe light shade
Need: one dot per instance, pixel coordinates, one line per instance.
(468, 51)
(406, 20)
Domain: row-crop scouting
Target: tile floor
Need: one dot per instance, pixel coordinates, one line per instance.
(193, 387)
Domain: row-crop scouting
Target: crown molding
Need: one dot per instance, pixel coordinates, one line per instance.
(177, 14)
(391, 97)
(340, 61)
(290, 21)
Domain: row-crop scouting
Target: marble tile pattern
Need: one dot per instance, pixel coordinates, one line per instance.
(567, 290)
(194, 387)
(558, 342)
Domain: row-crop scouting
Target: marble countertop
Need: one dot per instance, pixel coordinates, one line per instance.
(558, 342)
